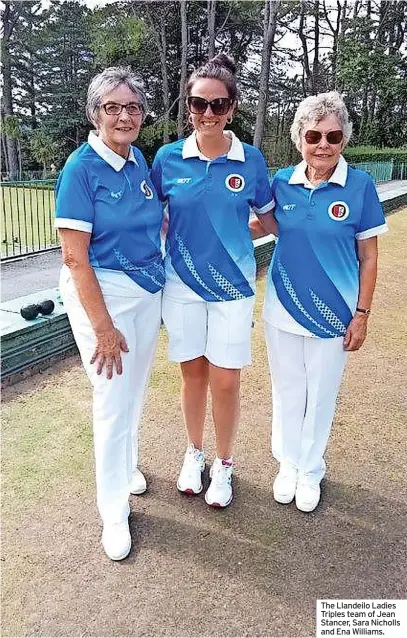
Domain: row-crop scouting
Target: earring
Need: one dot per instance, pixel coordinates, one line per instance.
(190, 119)
(229, 120)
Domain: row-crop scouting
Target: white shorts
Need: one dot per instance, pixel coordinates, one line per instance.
(217, 330)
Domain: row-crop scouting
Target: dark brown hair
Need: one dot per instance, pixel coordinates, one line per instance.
(222, 68)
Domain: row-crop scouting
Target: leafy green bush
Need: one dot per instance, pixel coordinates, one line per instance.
(358, 154)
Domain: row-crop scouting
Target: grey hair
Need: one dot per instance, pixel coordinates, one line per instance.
(314, 108)
(107, 81)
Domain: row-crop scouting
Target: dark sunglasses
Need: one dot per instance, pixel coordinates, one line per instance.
(219, 106)
(314, 137)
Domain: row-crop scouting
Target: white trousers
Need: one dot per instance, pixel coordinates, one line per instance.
(306, 373)
(118, 402)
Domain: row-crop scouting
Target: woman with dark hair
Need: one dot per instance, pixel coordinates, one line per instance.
(210, 181)
(109, 221)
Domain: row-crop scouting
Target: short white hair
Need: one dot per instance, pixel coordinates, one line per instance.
(106, 82)
(314, 109)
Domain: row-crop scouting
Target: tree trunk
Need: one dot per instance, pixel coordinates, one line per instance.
(164, 75)
(316, 79)
(271, 8)
(8, 24)
(5, 153)
(160, 40)
(211, 27)
(183, 75)
(335, 45)
(20, 164)
(308, 79)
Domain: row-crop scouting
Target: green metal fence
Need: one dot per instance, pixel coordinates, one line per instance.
(27, 218)
(380, 171)
(27, 210)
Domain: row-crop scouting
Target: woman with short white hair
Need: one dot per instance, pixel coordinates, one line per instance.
(319, 290)
(109, 220)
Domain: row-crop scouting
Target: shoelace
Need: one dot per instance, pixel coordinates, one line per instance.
(194, 458)
(222, 474)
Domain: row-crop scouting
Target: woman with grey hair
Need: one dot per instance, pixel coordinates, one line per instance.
(320, 289)
(109, 221)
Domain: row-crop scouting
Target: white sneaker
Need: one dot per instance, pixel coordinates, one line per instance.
(307, 495)
(116, 540)
(220, 492)
(285, 484)
(138, 484)
(190, 478)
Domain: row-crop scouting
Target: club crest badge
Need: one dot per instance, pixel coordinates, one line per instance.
(144, 187)
(338, 211)
(234, 182)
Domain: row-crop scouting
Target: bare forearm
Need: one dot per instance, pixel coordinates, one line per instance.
(257, 229)
(263, 225)
(91, 297)
(269, 223)
(367, 281)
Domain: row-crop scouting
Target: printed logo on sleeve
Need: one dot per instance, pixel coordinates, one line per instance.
(289, 206)
(116, 195)
(235, 182)
(148, 193)
(338, 211)
(184, 180)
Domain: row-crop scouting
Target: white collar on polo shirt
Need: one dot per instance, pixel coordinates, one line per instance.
(236, 151)
(339, 175)
(113, 159)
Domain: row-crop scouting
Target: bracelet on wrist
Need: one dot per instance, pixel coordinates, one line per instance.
(363, 311)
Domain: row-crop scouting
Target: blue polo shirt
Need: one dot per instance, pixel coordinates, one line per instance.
(313, 279)
(113, 199)
(209, 247)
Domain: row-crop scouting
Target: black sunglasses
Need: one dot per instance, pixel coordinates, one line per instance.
(314, 137)
(219, 106)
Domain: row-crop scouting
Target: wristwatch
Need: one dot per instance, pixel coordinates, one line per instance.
(363, 311)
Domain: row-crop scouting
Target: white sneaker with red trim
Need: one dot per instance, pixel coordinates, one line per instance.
(190, 478)
(220, 491)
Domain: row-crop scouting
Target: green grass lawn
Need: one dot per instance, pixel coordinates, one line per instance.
(27, 219)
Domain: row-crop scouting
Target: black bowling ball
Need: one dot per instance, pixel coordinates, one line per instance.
(46, 307)
(32, 311)
(29, 312)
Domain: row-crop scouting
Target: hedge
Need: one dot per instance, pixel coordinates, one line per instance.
(360, 154)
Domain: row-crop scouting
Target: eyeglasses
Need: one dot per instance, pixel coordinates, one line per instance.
(132, 108)
(219, 106)
(314, 137)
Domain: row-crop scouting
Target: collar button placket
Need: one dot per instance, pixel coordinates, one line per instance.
(208, 176)
(311, 202)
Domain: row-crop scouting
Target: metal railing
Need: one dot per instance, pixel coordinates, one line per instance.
(27, 218)
(27, 210)
(380, 171)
